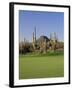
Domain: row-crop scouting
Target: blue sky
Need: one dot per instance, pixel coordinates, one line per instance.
(45, 23)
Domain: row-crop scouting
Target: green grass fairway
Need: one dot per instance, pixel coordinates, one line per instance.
(41, 66)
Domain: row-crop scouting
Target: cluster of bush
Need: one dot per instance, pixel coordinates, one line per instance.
(28, 47)
(25, 48)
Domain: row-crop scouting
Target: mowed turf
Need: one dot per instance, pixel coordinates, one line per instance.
(41, 67)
